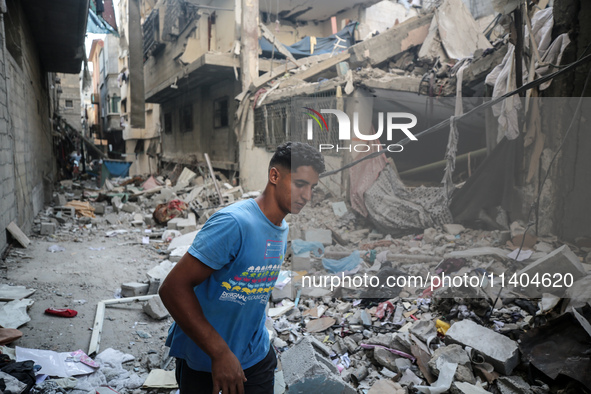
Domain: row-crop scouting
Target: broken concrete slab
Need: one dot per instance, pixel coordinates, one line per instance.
(18, 235)
(134, 289)
(561, 261)
(497, 349)
(320, 325)
(183, 240)
(306, 370)
(156, 309)
(467, 388)
(10, 293)
(386, 386)
(454, 354)
(425, 330)
(484, 251)
(393, 41)
(385, 358)
(13, 314)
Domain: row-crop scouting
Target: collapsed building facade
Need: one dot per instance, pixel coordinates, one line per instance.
(235, 91)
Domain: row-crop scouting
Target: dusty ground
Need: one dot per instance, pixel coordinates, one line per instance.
(78, 278)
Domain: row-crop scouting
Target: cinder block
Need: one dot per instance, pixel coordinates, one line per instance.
(156, 309)
(134, 289)
(319, 235)
(48, 228)
(66, 211)
(306, 370)
(497, 349)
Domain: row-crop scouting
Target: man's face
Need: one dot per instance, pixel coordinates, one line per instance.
(295, 188)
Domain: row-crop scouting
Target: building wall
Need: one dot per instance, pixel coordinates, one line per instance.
(219, 143)
(27, 162)
(70, 84)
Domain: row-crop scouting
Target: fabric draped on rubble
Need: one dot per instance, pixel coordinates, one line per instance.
(491, 185)
(502, 77)
(398, 210)
(362, 176)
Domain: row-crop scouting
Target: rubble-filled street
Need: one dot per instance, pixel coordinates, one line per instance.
(105, 259)
(319, 196)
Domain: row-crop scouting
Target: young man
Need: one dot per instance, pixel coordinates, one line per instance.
(218, 291)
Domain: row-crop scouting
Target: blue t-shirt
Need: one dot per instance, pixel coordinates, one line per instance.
(246, 250)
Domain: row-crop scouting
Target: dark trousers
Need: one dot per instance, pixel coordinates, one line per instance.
(260, 377)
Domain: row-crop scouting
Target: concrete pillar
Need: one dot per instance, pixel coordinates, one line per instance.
(249, 40)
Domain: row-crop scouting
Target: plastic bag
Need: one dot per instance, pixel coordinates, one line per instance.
(300, 246)
(345, 264)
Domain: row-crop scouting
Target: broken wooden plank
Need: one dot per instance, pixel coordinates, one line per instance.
(275, 42)
(215, 181)
(97, 327)
(17, 234)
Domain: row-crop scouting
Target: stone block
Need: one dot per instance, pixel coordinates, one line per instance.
(156, 309)
(453, 229)
(319, 235)
(134, 289)
(48, 228)
(306, 370)
(130, 207)
(172, 223)
(149, 220)
(60, 199)
(497, 349)
(116, 203)
(99, 209)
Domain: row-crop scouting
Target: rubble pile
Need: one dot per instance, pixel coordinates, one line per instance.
(353, 310)
(429, 338)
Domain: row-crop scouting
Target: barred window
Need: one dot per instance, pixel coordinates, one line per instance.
(287, 120)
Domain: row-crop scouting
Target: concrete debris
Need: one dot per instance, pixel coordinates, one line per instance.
(156, 309)
(331, 333)
(306, 370)
(134, 289)
(497, 349)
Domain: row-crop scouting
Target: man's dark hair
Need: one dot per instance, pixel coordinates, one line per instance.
(292, 155)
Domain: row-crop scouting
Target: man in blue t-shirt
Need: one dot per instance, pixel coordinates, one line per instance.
(218, 291)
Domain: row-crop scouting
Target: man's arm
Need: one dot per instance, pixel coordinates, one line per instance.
(177, 294)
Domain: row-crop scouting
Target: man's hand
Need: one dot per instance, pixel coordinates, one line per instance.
(227, 374)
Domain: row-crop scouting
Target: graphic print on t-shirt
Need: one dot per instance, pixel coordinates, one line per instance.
(255, 283)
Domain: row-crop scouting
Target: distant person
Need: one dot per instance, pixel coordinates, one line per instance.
(218, 291)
